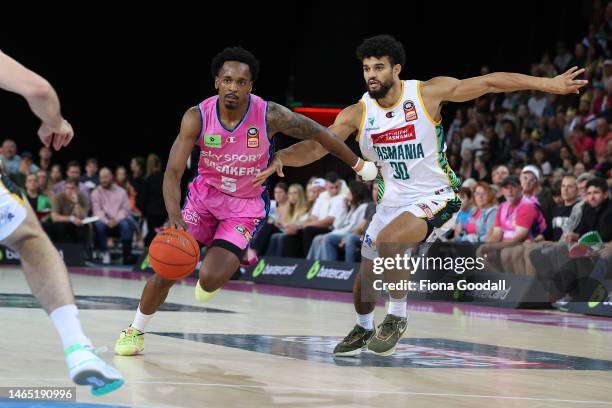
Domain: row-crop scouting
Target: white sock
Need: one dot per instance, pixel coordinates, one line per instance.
(397, 307)
(366, 320)
(66, 321)
(141, 320)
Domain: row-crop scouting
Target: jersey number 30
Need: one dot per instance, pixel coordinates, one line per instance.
(400, 170)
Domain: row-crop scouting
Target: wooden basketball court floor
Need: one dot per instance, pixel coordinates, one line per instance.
(265, 346)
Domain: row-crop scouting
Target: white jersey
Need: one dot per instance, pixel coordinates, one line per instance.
(409, 147)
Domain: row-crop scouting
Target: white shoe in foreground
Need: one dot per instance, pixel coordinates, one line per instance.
(86, 368)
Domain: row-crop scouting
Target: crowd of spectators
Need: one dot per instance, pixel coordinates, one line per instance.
(537, 170)
(99, 208)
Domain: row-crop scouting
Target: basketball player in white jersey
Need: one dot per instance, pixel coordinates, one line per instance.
(20, 230)
(398, 125)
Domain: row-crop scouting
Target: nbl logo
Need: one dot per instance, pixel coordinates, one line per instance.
(253, 137)
(410, 111)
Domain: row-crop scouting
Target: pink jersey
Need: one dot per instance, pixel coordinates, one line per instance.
(229, 159)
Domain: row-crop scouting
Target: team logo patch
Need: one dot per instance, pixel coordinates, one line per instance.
(191, 217)
(369, 241)
(253, 137)
(410, 111)
(212, 141)
(426, 210)
(395, 135)
(390, 114)
(243, 231)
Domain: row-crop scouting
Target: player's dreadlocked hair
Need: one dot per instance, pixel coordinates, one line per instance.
(380, 46)
(235, 54)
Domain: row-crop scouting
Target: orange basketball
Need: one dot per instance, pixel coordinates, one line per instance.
(174, 253)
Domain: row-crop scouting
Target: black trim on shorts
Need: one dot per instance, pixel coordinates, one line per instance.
(233, 248)
(452, 206)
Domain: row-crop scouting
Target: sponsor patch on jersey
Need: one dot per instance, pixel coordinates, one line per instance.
(390, 114)
(253, 137)
(212, 141)
(426, 210)
(395, 135)
(410, 111)
(231, 139)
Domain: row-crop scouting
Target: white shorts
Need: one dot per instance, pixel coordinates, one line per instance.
(13, 210)
(438, 211)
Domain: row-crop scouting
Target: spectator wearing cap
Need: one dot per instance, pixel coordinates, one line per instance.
(541, 196)
(329, 205)
(601, 140)
(517, 221)
(318, 184)
(518, 218)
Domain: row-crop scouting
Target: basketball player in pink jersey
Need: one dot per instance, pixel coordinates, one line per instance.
(224, 208)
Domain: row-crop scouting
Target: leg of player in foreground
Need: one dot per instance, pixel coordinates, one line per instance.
(46, 274)
(20, 230)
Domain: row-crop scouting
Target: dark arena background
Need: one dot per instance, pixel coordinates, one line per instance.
(505, 301)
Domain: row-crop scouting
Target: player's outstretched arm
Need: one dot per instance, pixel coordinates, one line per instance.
(177, 161)
(441, 89)
(308, 151)
(42, 99)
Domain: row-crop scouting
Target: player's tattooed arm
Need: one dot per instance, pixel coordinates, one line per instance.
(308, 151)
(281, 119)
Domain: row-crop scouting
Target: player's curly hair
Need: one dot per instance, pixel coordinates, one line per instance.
(380, 46)
(235, 54)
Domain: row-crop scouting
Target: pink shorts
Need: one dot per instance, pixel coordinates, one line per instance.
(211, 215)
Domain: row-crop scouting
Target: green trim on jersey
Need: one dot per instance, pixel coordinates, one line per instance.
(380, 182)
(453, 180)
